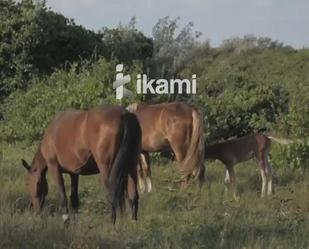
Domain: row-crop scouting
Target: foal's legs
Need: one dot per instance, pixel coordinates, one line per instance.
(230, 179)
(74, 191)
(268, 175)
(201, 175)
(227, 180)
(270, 180)
(264, 174)
(264, 179)
(54, 170)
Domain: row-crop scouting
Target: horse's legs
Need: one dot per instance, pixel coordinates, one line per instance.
(141, 175)
(104, 175)
(179, 152)
(54, 170)
(200, 173)
(103, 162)
(144, 173)
(146, 170)
(179, 156)
(133, 194)
(74, 191)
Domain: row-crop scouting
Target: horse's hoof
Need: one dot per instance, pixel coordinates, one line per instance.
(142, 191)
(149, 185)
(142, 187)
(66, 219)
(237, 198)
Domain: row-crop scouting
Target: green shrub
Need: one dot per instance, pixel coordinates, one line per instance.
(294, 156)
(27, 113)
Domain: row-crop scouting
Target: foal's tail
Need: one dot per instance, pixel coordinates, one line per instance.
(194, 160)
(129, 146)
(280, 140)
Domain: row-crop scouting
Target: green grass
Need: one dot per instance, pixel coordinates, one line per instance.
(167, 219)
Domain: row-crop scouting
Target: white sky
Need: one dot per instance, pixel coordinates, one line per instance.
(283, 20)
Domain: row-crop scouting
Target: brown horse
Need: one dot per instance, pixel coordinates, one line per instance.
(243, 149)
(105, 140)
(175, 127)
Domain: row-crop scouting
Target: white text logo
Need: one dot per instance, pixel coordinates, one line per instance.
(121, 80)
(152, 86)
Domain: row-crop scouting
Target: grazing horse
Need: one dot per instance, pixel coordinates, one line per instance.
(242, 149)
(104, 140)
(176, 127)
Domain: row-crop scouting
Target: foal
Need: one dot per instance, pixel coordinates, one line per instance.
(243, 149)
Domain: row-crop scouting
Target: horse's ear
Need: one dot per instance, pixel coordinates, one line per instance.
(26, 165)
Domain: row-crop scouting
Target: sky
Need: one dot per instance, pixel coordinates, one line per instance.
(283, 20)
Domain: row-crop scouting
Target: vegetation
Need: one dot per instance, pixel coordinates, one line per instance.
(168, 218)
(48, 63)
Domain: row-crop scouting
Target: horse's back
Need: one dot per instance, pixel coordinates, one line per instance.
(103, 115)
(245, 148)
(159, 122)
(103, 127)
(64, 126)
(64, 136)
(158, 114)
(74, 136)
(173, 108)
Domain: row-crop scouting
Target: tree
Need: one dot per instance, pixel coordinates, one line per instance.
(249, 42)
(126, 44)
(172, 49)
(35, 40)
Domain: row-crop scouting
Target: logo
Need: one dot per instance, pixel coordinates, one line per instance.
(152, 86)
(121, 80)
(163, 86)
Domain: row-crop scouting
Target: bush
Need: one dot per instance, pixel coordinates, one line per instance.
(294, 156)
(27, 113)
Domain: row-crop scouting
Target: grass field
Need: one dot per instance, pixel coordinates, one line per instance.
(168, 217)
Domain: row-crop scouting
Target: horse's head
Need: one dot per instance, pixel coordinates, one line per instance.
(37, 183)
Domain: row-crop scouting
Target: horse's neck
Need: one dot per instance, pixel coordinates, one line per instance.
(39, 160)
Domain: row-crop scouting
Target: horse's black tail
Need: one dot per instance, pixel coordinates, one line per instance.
(129, 147)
